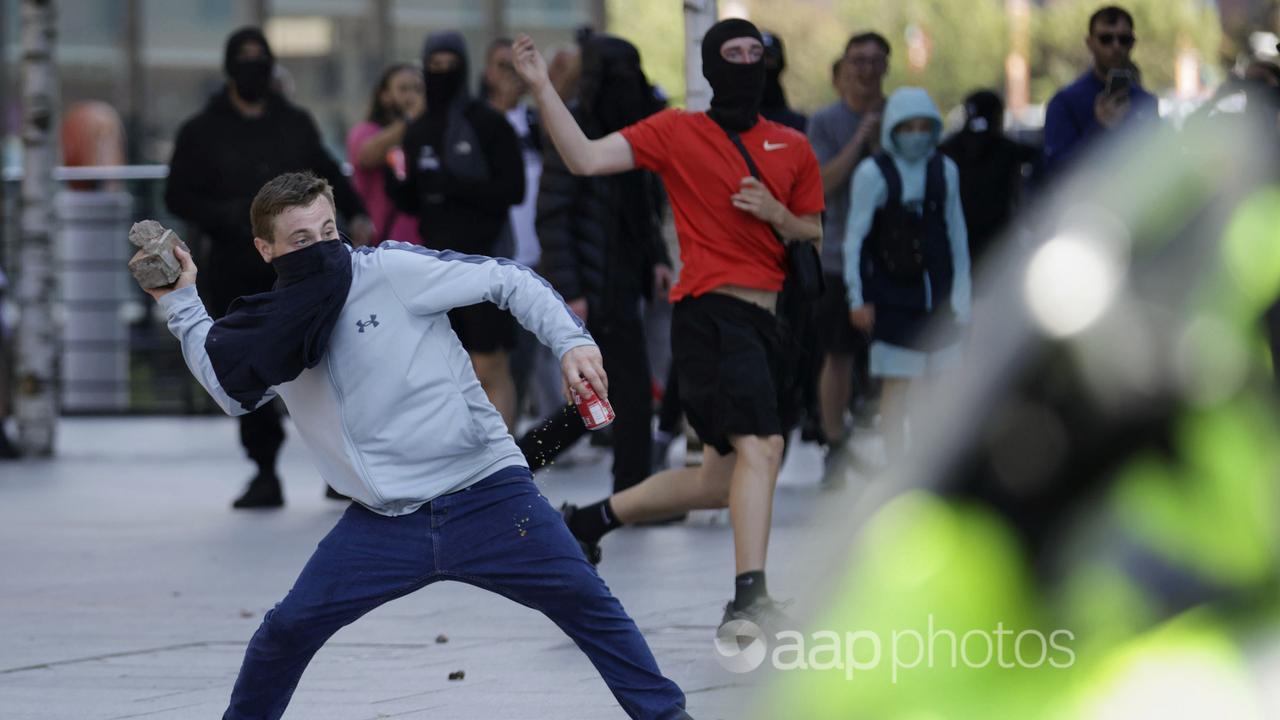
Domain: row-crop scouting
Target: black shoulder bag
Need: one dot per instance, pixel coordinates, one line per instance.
(804, 269)
(797, 321)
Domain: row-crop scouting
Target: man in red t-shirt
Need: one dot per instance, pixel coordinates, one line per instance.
(724, 333)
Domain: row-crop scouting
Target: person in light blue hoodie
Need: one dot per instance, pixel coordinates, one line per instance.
(906, 257)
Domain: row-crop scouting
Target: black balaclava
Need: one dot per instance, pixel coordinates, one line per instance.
(984, 113)
(983, 122)
(444, 89)
(736, 88)
(775, 61)
(614, 91)
(252, 78)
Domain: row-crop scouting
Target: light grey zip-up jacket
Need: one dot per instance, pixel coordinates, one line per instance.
(394, 415)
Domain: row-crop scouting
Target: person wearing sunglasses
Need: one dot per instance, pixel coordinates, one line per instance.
(1107, 97)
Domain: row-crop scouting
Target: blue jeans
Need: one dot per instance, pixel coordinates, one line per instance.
(499, 534)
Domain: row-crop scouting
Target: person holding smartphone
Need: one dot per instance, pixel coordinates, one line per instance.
(1107, 97)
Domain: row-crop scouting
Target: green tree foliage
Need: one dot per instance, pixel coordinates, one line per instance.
(656, 28)
(967, 41)
(813, 40)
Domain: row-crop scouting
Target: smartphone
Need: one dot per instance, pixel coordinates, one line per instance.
(1119, 82)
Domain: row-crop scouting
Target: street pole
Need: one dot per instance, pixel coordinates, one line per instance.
(599, 15)
(261, 12)
(383, 33)
(36, 396)
(135, 85)
(699, 16)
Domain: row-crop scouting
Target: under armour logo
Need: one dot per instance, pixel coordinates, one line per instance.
(371, 322)
(770, 147)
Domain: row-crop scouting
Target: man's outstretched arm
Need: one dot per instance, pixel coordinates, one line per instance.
(606, 156)
(432, 282)
(190, 323)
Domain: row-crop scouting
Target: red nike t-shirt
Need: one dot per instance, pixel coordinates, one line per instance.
(702, 169)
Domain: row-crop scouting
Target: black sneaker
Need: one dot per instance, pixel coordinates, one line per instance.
(765, 613)
(334, 494)
(590, 549)
(263, 492)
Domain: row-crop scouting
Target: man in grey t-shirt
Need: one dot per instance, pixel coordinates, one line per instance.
(842, 134)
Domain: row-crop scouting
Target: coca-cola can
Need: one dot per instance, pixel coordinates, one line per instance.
(595, 410)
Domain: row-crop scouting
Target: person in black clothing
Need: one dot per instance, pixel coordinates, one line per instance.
(774, 104)
(602, 244)
(804, 369)
(993, 171)
(464, 171)
(246, 135)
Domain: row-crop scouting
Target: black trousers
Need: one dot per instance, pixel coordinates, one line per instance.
(626, 362)
(261, 431)
(262, 434)
(670, 412)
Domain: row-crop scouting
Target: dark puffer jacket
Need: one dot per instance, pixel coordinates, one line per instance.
(600, 236)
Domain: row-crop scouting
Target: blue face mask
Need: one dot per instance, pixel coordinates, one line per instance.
(914, 145)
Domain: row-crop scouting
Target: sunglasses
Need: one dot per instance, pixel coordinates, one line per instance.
(1125, 39)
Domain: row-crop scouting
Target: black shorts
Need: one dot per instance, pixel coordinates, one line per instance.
(835, 333)
(726, 355)
(484, 328)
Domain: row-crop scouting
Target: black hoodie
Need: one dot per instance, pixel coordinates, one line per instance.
(773, 106)
(601, 236)
(991, 171)
(464, 167)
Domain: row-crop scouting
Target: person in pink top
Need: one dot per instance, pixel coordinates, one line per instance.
(373, 149)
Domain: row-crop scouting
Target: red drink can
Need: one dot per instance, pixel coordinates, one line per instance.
(595, 410)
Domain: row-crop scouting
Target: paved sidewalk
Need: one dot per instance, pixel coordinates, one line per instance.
(130, 589)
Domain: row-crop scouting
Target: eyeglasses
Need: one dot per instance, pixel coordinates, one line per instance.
(1125, 39)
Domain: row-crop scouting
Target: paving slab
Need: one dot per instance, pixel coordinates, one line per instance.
(130, 588)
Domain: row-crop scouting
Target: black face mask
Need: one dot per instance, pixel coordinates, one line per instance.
(624, 100)
(736, 88)
(442, 87)
(252, 78)
(613, 91)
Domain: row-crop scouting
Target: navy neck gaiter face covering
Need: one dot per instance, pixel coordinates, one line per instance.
(270, 338)
(737, 88)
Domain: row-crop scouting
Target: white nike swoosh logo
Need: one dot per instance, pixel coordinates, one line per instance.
(770, 147)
